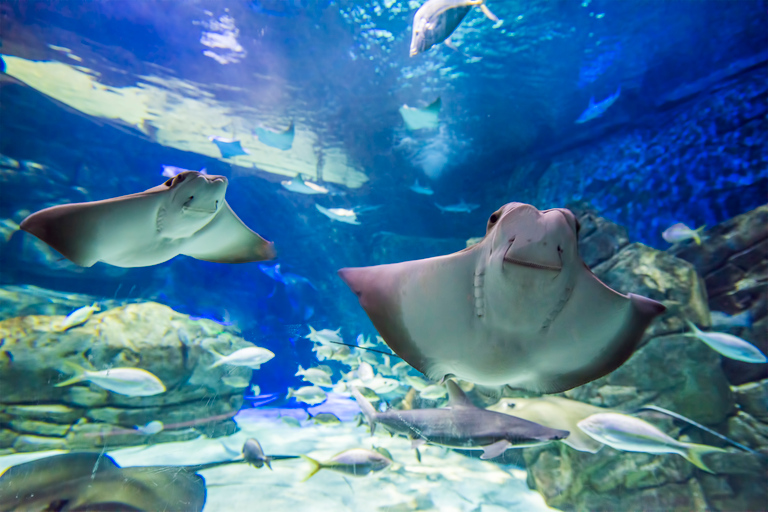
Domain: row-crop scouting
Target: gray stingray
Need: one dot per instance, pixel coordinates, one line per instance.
(519, 308)
(185, 215)
(555, 412)
(460, 425)
(93, 481)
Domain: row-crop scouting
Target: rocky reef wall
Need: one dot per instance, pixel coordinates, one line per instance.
(677, 372)
(36, 415)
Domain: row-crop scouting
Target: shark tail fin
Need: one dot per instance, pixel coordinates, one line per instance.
(79, 375)
(368, 411)
(694, 454)
(488, 13)
(315, 467)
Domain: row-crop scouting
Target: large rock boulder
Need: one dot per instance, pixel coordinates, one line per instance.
(669, 370)
(35, 415)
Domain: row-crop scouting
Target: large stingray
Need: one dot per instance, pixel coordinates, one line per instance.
(518, 308)
(185, 215)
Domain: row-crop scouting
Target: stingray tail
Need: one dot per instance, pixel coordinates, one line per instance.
(79, 376)
(366, 407)
(695, 452)
(316, 466)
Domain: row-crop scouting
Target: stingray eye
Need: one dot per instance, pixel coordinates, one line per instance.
(191, 197)
(180, 178)
(168, 182)
(494, 218)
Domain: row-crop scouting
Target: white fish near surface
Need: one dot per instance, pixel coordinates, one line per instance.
(324, 336)
(124, 381)
(311, 395)
(340, 214)
(722, 320)
(595, 110)
(153, 427)
(729, 345)
(421, 118)
(680, 232)
(250, 357)
(460, 207)
(315, 376)
(300, 186)
(77, 317)
(632, 434)
(433, 392)
(365, 371)
(421, 189)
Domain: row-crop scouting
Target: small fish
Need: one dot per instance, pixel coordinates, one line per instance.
(460, 207)
(279, 139)
(228, 147)
(311, 395)
(250, 357)
(749, 283)
(369, 357)
(340, 214)
(326, 418)
(323, 352)
(383, 386)
(124, 381)
(433, 392)
(728, 345)
(365, 371)
(315, 376)
(300, 186)
(595, 110)
(153, 427)
(722, 320)
(680, 232)
(632, 434)
(254, 455)
(421, 118)
(420, 189)
(290, 421)
(355, 462)
(77, 317)
(435, 21)
(416, 383)
(324, 336)
(364, 342)
(235, 381)
(169, 171)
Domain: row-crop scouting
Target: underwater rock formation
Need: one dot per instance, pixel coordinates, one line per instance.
(672, 371)
(36, 415)
(733, 259)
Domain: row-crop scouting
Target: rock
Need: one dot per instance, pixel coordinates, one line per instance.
(599, 239)
(148, 335)
(753, 399)
(7, 437)
(26, 443)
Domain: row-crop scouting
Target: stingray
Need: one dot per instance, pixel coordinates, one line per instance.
(519, 308)
(185, 215)
(282, 140)
(420, 118)
(93, 481)
(228, 147)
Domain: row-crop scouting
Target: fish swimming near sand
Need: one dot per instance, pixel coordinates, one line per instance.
(728, 345)
(595, 110)
(555, 412)
(300, 186)
(631, 434)
(151, 428)
(460, 425)
(187, 214)
(250, 357)
(537, 318)
(460, 207)
(340, 214)
(77, 317)
(421, 118)
(354, 462)
(254, 454)
(80, 481)
(279, 139)
(123, 381)
(435, 21)
(680, 232)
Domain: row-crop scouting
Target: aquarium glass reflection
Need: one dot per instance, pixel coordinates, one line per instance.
(384, 255)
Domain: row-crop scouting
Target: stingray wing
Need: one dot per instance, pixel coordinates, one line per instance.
(81, 232)
(226, 239)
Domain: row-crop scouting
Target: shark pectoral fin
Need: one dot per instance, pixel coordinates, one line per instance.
(416, 443)
(494, 450)
(226, 239)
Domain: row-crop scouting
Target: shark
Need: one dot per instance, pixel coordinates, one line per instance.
(421, 189)
(460, 207)
(300, 186)
(519, 308)
(188, 214)
(340, 214)
(460, 425)
(595, 110)
(279, 139)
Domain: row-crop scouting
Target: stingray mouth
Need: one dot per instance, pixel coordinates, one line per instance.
(186, 208)
(513, 259)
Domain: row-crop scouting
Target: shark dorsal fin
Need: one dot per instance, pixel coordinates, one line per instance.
(456, 397)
